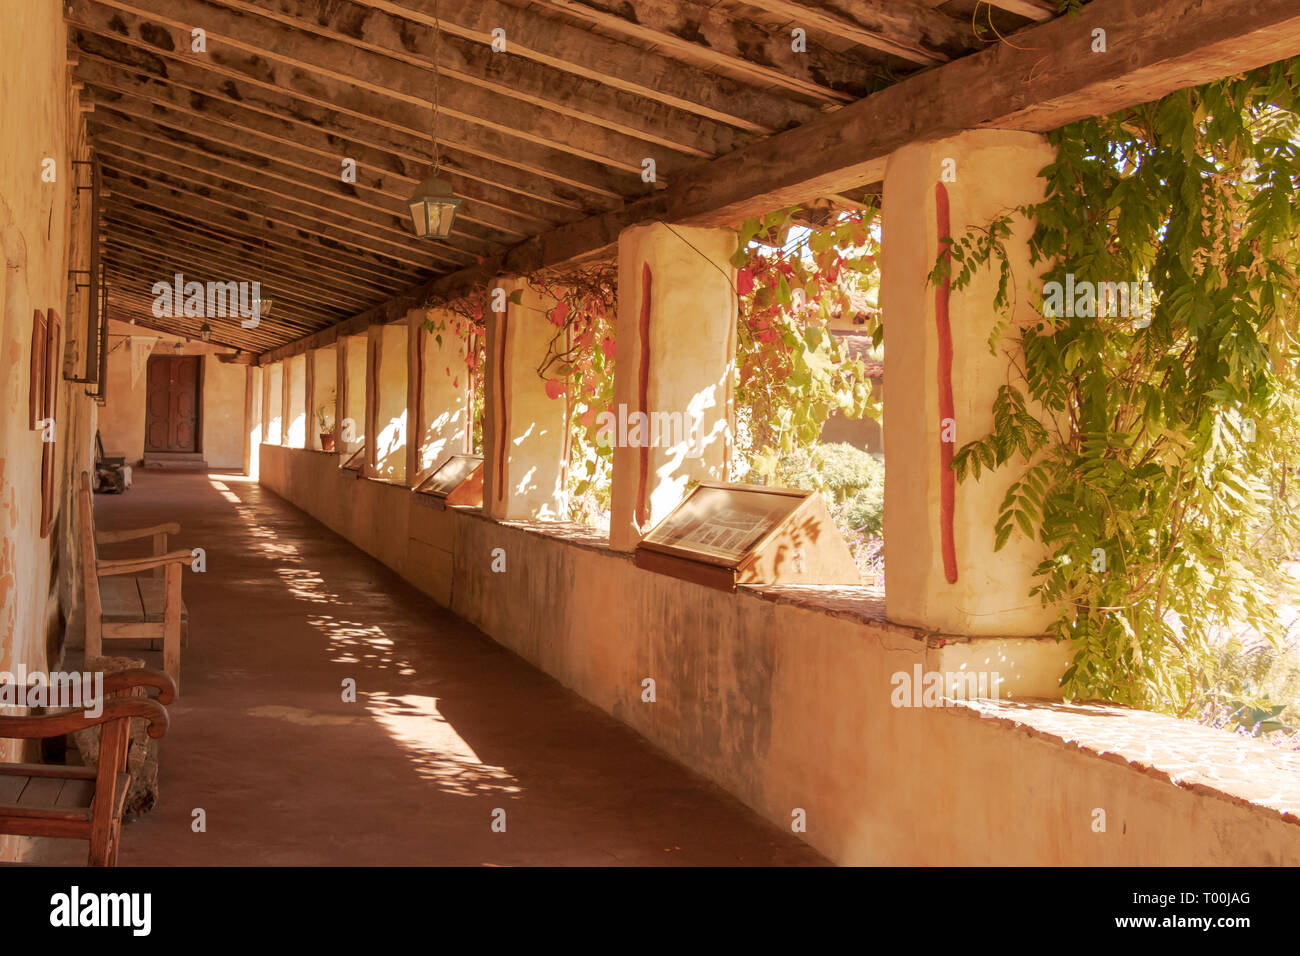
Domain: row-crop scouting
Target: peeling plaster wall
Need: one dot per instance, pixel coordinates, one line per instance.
(790, 707)
(38, 577)
(122, 419)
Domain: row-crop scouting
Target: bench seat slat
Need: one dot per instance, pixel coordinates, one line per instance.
(77, 794)
(41, 793)
(11, 788)
(120, 597)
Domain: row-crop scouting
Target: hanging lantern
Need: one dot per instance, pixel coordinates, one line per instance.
(263, 306)
(205, 332)
(433, 208)
(433, 205)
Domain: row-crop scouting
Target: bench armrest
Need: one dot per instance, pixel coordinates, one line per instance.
(67, 722)
(132, 565)
(131, 534)
(125, 681)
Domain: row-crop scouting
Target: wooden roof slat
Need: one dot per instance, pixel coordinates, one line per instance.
(135, 188)
(554, 41)
(330, 273)
(312, 220)
(903, 28)
(277, 326)
(385, 78)
(252, 80)
(315, 292)
(702, 34)
(124, 126)
(1167, 46)
(374, 166)
(581, 98)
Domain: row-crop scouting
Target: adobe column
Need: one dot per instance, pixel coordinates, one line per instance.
(941, 571)
(673, 369)
(523, 427)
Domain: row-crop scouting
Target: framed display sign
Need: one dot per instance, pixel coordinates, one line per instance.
(457, 481)
(356, 461)
(722, 535)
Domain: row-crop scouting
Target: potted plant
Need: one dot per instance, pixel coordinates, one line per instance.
(325, 419)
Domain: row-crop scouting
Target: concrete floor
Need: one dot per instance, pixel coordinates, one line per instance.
(448, 726)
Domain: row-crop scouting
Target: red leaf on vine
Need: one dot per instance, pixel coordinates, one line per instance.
(745, 281)
(607, 346)
(554, 388)
(588, 417)
(558, 314)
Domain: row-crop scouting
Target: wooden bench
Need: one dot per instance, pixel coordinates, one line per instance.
(118, 607)
(78, 803)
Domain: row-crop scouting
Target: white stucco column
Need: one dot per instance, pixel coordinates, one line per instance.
(977, 175)
(673, 365)
(523, 427)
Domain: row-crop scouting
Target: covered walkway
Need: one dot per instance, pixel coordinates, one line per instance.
(448, 725)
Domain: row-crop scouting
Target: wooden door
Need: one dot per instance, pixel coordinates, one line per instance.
(171, 418)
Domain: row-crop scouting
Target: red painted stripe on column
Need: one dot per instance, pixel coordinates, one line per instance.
(501, 411)
(643, 391)
(947, 481)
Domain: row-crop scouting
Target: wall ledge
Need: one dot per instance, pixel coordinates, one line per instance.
(1247, 772)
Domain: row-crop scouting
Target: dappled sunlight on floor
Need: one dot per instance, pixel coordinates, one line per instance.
(446, 729)
(439, 753)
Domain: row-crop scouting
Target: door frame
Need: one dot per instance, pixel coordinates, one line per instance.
(198, 403)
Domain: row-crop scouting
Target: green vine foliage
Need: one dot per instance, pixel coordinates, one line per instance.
(792, 373)
(579, 368)
(1153, 450)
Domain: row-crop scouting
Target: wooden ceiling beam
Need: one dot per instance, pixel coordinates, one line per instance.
(270, 330)
(169, 199)
(374, 167)
(152, 235)
(702, 34)
(555, 42)
(293, 318)
(141, 308)
(171, 139)
(137, 274)
(212, 189)
(304, 285)
(384, 79)
(338, 108)
(580, 98)
(903, 28)
(250, 238)
(136, 319)
(1167, 46)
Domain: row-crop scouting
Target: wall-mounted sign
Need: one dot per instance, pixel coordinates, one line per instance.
(722, 535)
(356, 461)
(457, 481)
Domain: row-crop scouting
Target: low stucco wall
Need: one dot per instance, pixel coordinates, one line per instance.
(788, 706)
